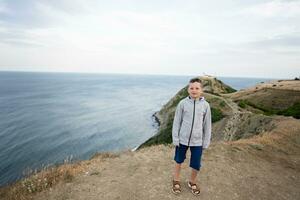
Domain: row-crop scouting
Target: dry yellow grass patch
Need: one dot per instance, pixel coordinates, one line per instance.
(48, 177)
(285, 137)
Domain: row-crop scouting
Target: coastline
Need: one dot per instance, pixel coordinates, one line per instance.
(156, 121)
(59, 164)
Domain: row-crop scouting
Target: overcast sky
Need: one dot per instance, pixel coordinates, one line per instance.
(245, 38)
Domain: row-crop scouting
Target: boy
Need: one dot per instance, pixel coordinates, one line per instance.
(191, 129)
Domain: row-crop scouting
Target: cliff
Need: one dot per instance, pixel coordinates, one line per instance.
(236, 114)
(212, 88)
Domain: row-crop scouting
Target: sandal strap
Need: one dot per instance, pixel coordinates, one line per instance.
(195, 190)
(176, 182)
(178, 188)
(193, 184)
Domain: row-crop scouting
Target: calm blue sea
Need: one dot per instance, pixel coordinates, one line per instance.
(46, 118)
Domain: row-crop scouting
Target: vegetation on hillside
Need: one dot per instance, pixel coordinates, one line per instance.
(293, 110)
(164, 136)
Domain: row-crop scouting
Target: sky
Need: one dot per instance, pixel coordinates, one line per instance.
(246, 38)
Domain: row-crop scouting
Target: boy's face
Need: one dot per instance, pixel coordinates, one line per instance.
(195, 90)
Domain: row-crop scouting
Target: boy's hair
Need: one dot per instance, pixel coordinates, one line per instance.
(193, 80)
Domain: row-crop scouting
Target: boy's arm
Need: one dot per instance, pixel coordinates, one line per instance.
(176, 124)
(207, 128)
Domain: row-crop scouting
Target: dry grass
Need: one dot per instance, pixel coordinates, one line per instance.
(48, 177)
(37, 182)
(104, 155)
(286, 136)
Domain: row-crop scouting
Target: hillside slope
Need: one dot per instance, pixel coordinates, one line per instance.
(276, 97)
(212, 88)
(263, 167)
(236, 115)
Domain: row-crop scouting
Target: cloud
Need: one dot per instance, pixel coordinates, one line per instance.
(284, 41)
(154, 36)
(29, 24)
(17, 38)
(4, 9)
(274, 9)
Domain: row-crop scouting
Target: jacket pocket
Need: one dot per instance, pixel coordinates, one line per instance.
(197, 134)
(184, 131)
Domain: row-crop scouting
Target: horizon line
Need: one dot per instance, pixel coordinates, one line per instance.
(150, 74)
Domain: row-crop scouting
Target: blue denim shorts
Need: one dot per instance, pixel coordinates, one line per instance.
(196, 154)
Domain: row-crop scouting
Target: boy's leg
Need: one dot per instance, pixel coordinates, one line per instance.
(177, 172)
(180, 152)
(193, 176)
(195, 162)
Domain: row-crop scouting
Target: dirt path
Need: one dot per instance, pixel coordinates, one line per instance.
(228, 126)
(227, 172)
(233, 120)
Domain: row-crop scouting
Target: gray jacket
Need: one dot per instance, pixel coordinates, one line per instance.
(192, 123)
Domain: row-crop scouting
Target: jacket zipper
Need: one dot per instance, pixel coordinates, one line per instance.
(192, 124)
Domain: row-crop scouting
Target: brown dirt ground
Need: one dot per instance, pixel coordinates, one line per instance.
(263, 167)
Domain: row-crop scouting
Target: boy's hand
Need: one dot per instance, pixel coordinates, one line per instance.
(175, 143)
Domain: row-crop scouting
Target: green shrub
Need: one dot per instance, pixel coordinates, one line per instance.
(230, 90)
(222, 104)
(293, 110)
(242, 104)
(216, 114)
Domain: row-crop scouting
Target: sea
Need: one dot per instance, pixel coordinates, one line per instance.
(49, 118)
